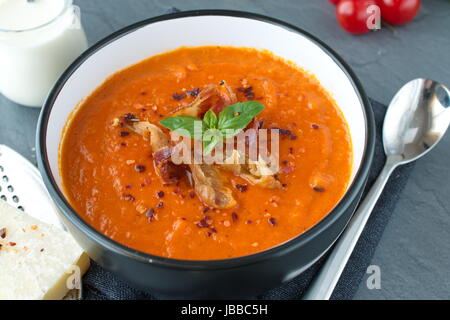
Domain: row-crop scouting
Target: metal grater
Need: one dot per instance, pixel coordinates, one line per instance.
(22, 187)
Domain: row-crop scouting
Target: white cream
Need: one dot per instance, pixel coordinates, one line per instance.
(38, 40)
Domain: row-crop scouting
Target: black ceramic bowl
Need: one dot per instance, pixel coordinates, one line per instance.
(237, 277)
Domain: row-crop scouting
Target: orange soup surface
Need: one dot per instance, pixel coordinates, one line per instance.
(109, 175)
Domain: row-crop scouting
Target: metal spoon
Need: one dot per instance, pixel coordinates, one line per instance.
(416, 120)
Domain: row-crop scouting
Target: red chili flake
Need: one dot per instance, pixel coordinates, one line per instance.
(315, 126)
(248, 222)
(202, 223)
(287, 170)
(285, 162)
(272, 222)
(179, 96)
(150, 215)
(208, 219)
(242, 187)
(160, 205)
(234, 216)
(283, 132)
(143, 93)
(150, 212)
(291, 150)
(12, 244)
(248, 92)
(318, 189)
(129, 197)
(250, 95)
(194, 93)
(284, 185)
(128, 186)
(213, 230)
(160, 194)
(205, 210)
(191, 194)
(208, 233)
(123, 144)
(143, 109)
(124, 133)
(3, 233)
(140, 168)
(286, 133)
(130, 118)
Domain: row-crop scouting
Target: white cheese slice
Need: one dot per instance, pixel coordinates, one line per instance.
(36, 259)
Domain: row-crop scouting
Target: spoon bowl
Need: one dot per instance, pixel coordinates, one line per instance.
(417, 118)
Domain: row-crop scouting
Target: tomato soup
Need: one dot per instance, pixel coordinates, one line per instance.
(111, 180)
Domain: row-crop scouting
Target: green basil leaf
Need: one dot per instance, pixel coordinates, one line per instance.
(209, 144)
(212, 129)
(209, 120)
(239, 115)
(187, 126)
(208, 134)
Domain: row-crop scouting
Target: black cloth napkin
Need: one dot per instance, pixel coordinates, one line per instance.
(101, 284)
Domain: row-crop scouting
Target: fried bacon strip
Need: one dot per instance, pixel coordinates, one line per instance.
(227, 96)
(210, 186)
(257, 172)
(211, 97)
(167, 171)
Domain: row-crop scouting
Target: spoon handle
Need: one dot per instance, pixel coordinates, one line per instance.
(324, 283)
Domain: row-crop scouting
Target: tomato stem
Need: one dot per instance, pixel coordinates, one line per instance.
(388, 26)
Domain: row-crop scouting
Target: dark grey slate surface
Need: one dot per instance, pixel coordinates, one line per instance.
(414, 251)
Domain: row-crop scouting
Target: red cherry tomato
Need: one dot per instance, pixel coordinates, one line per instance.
(352, 15)
(399, 11)
(335, 2)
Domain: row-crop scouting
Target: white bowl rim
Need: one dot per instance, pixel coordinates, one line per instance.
(351, 195)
